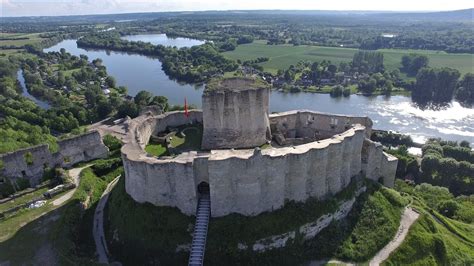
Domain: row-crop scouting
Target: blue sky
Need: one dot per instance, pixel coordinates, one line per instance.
(81, 7)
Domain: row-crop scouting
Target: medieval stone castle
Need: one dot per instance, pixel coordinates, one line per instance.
(311, 154)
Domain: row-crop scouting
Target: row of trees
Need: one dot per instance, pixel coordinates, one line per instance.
(440, 85)
(448, 164)
(367, 62)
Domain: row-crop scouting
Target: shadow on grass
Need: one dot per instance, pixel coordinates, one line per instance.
(61, 236)
(144, 234)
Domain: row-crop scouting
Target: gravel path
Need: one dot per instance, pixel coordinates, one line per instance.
(408, 218)
(98, 227)
(74, 173)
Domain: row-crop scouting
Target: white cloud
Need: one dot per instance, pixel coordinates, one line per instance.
(75, 7)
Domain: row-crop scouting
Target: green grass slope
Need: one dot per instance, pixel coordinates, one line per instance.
(430, 243)
(435, 239)
(143, 234)
(370, 225)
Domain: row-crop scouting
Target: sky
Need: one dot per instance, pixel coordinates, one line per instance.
(9, 8)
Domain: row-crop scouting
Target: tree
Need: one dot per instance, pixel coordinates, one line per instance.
(127, 108)
(110, 81)
(412, 63)
(97, 62)
(448, 208)
(368, 62)
(336, 91)
(465, 91)
(104, 108)
(435, 85)
(161, 101)
(143, 98)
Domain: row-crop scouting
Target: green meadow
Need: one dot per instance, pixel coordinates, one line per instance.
(19, 39)
(282, 56)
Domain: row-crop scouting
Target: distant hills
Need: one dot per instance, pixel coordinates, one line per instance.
(465, 15)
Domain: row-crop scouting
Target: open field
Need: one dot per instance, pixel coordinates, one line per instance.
(19, 39)
(282, 56)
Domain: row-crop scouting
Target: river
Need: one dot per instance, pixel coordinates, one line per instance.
(40, 103)
(396, 113)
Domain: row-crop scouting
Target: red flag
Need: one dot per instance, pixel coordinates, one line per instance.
(185, 108)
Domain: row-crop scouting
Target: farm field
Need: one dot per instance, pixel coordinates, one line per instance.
(19, 39)
(282, 56)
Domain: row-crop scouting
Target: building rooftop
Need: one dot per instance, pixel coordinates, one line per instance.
(235, 84)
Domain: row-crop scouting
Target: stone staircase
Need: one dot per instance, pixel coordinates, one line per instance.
(198, 246)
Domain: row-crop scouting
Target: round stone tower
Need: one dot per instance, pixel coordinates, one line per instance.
(235, 113)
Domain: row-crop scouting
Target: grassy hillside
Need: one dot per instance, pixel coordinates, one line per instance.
(140, 234)
(431, 243)
(370, 225)
(435, 239)
(146, 234)
(282, 56)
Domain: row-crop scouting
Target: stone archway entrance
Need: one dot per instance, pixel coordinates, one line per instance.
(203, 189)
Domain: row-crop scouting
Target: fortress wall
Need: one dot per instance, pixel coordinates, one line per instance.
(162, 182)
(175, 119)
(305, 123)
(235, 119)
(250, 182)
(81, 148)
(376, 163)
(15, 166)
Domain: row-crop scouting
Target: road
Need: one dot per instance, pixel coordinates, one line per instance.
(98, 227)
(408, 218)
(74, 173)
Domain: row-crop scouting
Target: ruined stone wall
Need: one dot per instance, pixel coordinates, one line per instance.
(251, 182)
(305, 123)
(377, 164)
(81, 148)
(235, 119)
(162, 182)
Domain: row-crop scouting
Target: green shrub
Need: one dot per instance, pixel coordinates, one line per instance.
(337, 91)
(459, 153)
(28, 158)
(465, 213)
(22, 183)
(103, 166)
(144, 234)
(6, 188)
(448, 208)
(49, 173)
(432, 148)
(346, 92)
(432, 195)
(112, 142)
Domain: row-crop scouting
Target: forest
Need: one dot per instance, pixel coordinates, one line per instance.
(76, 89)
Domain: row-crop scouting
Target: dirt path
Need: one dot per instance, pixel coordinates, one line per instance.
(74, 174)
(98, 227)
(408, 218)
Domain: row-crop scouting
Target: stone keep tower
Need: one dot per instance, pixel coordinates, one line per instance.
(235, 113)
